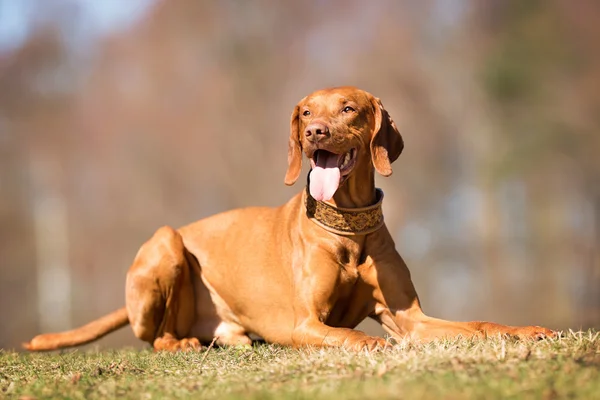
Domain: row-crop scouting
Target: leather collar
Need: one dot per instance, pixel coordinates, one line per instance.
(345, 221)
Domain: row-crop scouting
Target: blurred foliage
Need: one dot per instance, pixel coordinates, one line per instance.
(536, 52)
(184, 112)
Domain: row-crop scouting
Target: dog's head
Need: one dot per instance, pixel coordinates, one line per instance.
(340, 130)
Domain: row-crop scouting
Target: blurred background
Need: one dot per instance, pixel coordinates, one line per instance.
(117, 117)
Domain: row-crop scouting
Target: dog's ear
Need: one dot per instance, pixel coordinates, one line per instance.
(294, 150)
(386, 142)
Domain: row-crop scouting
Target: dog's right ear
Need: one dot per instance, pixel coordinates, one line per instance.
(294, 149)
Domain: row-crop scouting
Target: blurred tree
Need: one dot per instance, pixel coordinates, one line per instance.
(183, 111)
(542, 73)
(37, 94)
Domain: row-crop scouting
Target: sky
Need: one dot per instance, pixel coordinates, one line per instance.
(79, 20)
(82, 21)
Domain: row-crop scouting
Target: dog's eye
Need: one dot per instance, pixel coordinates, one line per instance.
(306, 113)
(348, 109)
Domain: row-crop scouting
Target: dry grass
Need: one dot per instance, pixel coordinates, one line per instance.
(567, 367)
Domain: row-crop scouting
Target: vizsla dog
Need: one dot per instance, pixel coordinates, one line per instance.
(303, 274)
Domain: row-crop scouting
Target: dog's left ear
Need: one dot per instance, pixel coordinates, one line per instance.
(294, 150)
(386, 142)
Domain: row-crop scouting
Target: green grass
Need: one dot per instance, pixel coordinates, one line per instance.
(568, 367)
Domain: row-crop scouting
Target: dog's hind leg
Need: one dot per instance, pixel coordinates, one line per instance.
(160, 295)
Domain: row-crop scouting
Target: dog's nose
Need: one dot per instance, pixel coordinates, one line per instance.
(316, 131)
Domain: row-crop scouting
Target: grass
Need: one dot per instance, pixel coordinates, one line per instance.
(567, 367)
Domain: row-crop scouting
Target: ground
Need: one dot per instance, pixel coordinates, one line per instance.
(567, 367)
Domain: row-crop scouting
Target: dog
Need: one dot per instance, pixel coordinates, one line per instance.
(303, 274)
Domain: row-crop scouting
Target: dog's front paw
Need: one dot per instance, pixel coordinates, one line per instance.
(369, 343)
(533, 333)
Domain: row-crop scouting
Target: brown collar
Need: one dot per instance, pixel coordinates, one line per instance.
(345, 221)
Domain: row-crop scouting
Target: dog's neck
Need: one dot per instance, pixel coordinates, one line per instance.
(357, 191)
(360, 213)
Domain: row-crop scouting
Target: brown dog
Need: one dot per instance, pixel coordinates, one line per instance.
(305, 273)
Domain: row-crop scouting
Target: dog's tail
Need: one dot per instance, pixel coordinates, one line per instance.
(85, 334)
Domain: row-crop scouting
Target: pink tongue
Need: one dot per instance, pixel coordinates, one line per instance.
(325, 176)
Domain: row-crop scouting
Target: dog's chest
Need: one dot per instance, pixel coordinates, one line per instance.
(348, 259)
(352, 301)
(350, 279)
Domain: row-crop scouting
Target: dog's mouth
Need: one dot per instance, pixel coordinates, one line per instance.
(329, 170)
(326, 159)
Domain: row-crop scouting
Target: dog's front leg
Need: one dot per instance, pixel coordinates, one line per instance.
(312, 332)
(315, 293)
(398, 308)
